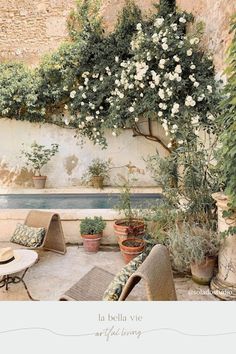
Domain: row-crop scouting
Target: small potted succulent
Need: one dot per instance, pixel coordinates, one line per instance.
(91, 230)
(37, 157)
(97, 171)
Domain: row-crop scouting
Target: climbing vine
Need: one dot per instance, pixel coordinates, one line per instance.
(147, 70)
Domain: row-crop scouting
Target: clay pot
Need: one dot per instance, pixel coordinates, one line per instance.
(202, 273)
(130, 248)
(91, 243)
(97, 182)
(124, 228)
(39, 181)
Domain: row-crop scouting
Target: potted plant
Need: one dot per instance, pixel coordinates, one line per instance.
(131, 248)
(195, 248)
(224, 284)
(130, 226)
(97, 171)
(37, 157)
(91, 230)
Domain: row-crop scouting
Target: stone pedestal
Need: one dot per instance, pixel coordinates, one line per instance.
(224, 284)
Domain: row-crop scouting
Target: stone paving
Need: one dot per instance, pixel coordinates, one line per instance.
(53, 274)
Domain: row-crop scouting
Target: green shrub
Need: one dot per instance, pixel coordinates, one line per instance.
(92, 226)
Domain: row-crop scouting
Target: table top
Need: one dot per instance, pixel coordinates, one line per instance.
(23, 260)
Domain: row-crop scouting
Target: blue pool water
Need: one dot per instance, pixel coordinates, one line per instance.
(73, 201)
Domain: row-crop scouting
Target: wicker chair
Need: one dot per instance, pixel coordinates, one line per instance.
(155, 271)
(54, 238)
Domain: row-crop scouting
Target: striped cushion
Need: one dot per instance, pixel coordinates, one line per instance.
(28, 236)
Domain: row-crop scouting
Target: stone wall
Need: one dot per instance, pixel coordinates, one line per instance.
(29, 28)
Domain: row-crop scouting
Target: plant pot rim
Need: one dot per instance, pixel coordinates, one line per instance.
(138, 240)
(92, 237)
(206, 260)
(120, 222)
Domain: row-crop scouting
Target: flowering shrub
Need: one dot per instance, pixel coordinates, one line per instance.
(146, 69)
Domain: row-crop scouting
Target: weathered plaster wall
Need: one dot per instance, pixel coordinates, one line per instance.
(29, 29)
(67, 167)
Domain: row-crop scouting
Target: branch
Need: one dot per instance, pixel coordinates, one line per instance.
(137, 132)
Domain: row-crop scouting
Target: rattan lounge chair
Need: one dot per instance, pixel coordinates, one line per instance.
(155, 271)
(54, 239)
(157, 275)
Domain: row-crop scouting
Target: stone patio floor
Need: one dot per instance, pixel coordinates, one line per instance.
(53, 274)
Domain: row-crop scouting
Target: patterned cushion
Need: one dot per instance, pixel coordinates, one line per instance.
(115, 288)
(28, 236)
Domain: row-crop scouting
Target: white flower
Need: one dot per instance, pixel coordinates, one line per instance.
(84, 95)
(94, 89)
(141, 69)
(209, 87)
(136, 119)
(152, 85)
(117, 59)
(162, 63)
(169, 92)
(82, 103)
(66, 107)
(101, 78)
(160, 114)
(196, 84)
(182, 20)
(121, 95)
(178, 69)
(139, 27)
(114, 133)
(189, 52)
(161, 94)
(81, 88)
(131, 109)
(163, 106)
(193, 67)
(131, 86)
(159, 21)
(164, 39)
(85, 74)
(72, 94)
(174, 26)
(165, 46)
(169, 145)
(201, 97)
(189, 101)
(175, 108)
(176, 58)
(179, 78)
(142, 85)
(192, 78)
(180, 142)
(155, 77)
(175, 127)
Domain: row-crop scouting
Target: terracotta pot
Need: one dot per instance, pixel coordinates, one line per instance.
(97, 182)
(223, 285)
(91, 243)
(202, 273)
(124, 228)
(130, 248)
(39, 181)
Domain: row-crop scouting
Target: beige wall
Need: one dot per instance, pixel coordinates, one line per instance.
(67, 167)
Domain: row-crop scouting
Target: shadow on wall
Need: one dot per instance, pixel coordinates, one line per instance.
(16, 176)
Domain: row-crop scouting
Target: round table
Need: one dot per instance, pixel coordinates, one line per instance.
(7, 271)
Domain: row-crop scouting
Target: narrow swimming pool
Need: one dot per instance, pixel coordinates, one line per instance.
(75, 201)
